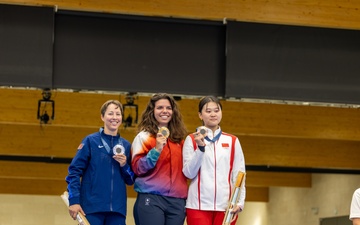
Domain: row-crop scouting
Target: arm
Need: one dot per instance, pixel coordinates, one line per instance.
(128, 174)
(233, 208)
(76, 170)
(192, 158)
(126, 170)
(355, 207)
(144, 154)
(356, 221)
(239, 165)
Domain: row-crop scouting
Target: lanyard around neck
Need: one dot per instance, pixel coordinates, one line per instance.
(215, 138)
(107, 147)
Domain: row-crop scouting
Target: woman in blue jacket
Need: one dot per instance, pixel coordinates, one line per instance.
(100, 170)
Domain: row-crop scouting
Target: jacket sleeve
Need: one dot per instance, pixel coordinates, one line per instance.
(192, 158)
(144, 155)
(126, 170)
(76, 170)
(239, 165)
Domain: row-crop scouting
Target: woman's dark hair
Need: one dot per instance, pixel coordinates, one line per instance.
(207, 99)
(176, 125)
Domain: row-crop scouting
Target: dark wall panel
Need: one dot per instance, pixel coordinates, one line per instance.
(282, 62)
(119, 53)
(26, 45)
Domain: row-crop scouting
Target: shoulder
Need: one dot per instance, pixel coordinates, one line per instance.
(189, 139)
(229, 135)
(126, 142)
(92, 136)
(190, 136)
(95, 134)
(357, 192)
(143, 136)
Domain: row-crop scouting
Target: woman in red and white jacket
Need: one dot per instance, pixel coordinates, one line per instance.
(212, 160)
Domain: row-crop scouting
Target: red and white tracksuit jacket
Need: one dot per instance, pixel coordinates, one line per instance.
(213, 172)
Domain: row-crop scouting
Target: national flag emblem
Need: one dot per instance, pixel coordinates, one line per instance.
(225, 145)
(80, 146)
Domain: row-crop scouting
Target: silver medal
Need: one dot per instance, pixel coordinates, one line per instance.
(118, 149)
(202, 130)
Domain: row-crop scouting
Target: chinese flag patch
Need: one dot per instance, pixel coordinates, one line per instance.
(225, 145)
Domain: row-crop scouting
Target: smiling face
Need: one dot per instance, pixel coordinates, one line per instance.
(163, 112)
(112, 119)
(211, 115)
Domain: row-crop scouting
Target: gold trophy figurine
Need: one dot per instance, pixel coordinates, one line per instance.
(234, 198)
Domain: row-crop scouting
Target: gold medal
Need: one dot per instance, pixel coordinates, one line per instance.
(164, 131)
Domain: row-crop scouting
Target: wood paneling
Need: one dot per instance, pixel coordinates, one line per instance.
(276, 179)
(56, 187)
(46, 140)
(257, 194)
(291, 121)
(28, 186)
(33, 170)
(332, 13)
(270, 134)
(273, 135)
(49, 179)
(302, 152)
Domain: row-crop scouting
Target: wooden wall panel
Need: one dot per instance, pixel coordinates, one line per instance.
(286, 120)
(32, 186)
(292, 152)
(36, 140)
(33, 170)
(273, 135)
(49, 179)
(276, 179)
(332, 13)
(46, 140)
(19, 106)
(71, 108)
(57, 187)
(257, 194)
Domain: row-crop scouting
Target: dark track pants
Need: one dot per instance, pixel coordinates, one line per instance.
(106, 218)
(150, 209)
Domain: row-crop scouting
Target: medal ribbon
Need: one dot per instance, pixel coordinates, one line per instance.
(107, 147)
(215, 138)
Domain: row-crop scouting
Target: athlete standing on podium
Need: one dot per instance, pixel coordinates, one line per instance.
(100, 171)
(157, 162)
(212, 160)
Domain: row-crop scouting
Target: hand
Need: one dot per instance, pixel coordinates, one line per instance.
(74, 210)
(235, 210)
(199, 139)
(121, 158)
(160, 141)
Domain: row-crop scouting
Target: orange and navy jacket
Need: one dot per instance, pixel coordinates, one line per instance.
(158, 173)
